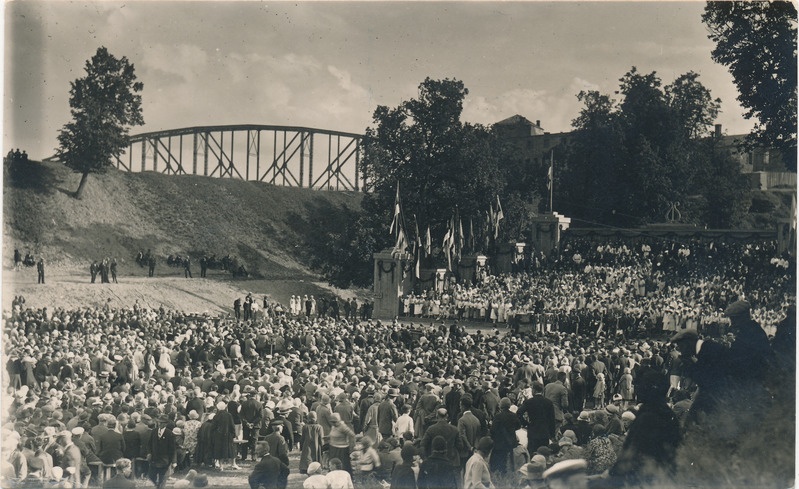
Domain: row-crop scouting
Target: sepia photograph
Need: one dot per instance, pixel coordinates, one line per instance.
(399, 244)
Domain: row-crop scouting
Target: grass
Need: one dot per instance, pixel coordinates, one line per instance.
(266, 227)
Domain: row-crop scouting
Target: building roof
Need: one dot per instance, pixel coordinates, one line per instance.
(513, 120)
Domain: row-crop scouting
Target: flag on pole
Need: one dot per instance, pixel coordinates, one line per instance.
(498, 217)
(428, 242)
(487, 228)
(549, 178)
(417, 245)
(459, 248)
(402, 242)
(395, 222)
(471, 234)
(398, 223)
(447, 245)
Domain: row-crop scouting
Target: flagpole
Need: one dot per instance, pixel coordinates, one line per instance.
(551, 177)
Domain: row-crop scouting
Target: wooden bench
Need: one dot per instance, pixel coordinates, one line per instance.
(104, 471)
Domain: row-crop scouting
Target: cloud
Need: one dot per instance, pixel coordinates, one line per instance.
(186, 61)
(555, 110)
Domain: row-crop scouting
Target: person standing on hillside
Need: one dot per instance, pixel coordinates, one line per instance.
(237, 308)
(187, 267)
(203, 266)
(17, 260)
(114, 270)
(93, 268)
(151, 264)
(104, 271)
(40, 270)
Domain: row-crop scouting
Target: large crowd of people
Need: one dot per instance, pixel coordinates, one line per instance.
(609, 286)
(365, 403)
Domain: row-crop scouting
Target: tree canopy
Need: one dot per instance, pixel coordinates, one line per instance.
(443, 166)
(628, 161)
(103, 105)
(756, 41)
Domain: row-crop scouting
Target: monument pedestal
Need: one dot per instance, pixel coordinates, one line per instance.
(393, 277)
(547, 230)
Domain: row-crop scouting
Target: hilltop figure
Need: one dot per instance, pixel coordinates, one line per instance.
(187, 267)
(114, 270)
(151, 265)
(40, 270)
(17, 260)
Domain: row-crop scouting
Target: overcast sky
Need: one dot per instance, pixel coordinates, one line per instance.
(329, 64)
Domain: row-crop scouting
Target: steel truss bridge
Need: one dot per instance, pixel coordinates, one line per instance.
(280, 155)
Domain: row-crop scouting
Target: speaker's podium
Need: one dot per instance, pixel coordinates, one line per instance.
(393, 278)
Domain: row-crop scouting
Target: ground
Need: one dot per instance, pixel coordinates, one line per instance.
(72, 289)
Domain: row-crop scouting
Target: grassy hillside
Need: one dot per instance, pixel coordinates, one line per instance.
(264, 226)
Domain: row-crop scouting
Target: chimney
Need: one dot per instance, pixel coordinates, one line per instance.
(538, 123)
(718, 130)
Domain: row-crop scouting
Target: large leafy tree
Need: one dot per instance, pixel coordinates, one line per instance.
(442, 165)
(756, 41)
(628, 161)
(440, 162)
(103, 104)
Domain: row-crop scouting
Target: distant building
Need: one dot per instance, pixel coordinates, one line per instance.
(765, 166)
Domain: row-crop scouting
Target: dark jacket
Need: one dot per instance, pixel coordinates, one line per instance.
(437, 473)
(651, 445)
(119, 481)
(110, 446)
(162, 448)
(450, 434)
(540, 419)
(269, 473)
(503, 430)
(403, 477)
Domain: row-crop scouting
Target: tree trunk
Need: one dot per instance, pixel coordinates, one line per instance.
(83, 178)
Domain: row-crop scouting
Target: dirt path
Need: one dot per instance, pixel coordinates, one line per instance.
(71, 290)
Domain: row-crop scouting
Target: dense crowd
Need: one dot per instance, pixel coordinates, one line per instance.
(649, 287)
(157, 392)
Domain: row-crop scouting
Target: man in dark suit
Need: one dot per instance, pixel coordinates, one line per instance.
(538, 415)
(110, 443)
(270, 472)
(162, 452)
(468, 429)
(557, 392)
(450, 433)
(251, 414)
(503, 432)
(276, 442)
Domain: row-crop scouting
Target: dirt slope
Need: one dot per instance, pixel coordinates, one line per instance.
(266, 227)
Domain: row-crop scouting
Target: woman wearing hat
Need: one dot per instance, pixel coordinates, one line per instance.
(222, 441)
(190, 431)
(311, 443)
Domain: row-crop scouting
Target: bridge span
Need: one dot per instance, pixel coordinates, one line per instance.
(280, 155)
